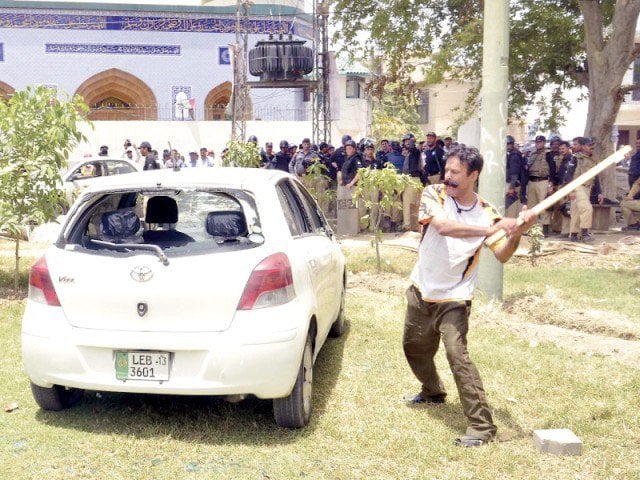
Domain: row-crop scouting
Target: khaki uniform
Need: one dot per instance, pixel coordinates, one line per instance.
(538, 184)
(631, 205)
(581, 209)
(559, 223)
(410, 198)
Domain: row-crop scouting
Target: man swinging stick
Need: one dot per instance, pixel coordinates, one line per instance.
(457, 222)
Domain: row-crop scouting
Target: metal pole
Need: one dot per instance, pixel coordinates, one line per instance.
(493, 124)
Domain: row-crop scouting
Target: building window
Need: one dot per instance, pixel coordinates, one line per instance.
(354, 90)
(423, 107)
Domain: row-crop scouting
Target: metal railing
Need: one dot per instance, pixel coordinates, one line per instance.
(218, 112)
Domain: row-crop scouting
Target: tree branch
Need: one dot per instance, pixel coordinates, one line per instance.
(629, 88)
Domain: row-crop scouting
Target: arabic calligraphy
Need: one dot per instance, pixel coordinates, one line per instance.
(156, 24)
(112, 49)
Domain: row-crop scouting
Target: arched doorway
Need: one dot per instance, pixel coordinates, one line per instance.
(118, 95)
(6, 90)
(215, 104)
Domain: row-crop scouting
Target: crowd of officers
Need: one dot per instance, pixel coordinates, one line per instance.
(531, 175)
(424, 160)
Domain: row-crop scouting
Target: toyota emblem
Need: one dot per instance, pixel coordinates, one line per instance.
(142, 273)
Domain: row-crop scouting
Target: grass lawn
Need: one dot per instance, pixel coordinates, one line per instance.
(360, 427)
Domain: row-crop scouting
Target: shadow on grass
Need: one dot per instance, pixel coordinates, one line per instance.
(201, 419)
(450, 414)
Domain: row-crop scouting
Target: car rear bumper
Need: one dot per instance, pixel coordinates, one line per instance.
(248, 358)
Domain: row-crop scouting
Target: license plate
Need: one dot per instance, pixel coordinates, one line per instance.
(142, 366)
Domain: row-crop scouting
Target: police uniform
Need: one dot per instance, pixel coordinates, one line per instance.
(581, 209)
(556, 214)
(631, 207)
(514, 172)
(540, 171)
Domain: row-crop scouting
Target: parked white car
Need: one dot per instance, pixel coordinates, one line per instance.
(219, 282)
(82, 174)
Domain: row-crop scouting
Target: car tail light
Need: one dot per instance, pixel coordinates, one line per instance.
(270, 284)
(41, 288)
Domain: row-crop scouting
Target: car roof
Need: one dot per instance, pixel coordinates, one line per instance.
(230, 177)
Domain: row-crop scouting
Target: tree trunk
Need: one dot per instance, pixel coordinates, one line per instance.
(608, 59)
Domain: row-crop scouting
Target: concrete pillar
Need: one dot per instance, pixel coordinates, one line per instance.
(493, 121)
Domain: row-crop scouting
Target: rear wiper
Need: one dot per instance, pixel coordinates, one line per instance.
(135, 246)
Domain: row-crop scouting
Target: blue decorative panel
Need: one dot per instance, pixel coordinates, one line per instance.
(137, 23)
(1, 52)
(112, 49)
(224, 56)
(65, 22)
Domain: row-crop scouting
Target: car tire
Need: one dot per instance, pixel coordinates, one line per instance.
(294, 411)
(337, 328)
(57, 397)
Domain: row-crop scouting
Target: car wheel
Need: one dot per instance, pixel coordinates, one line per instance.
(57, 397)
(337, 328)
(294, 411)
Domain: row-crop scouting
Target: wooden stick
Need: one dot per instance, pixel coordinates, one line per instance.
(567, 189)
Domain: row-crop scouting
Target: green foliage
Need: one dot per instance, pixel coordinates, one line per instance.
(535, 242)
(37, 133)
(389, 185)
(394, 112)
(241, 154)
(317, 182)
(443, 39)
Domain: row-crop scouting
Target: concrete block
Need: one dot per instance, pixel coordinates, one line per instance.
(560, 441)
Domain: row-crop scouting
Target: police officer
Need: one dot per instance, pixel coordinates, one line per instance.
(381, 155)
(411, 166)
(301, 161)
(337, 159)
(581, 209)
(515, 166)
(281, 159)
(267, 155)
(541, 174)
(634, 165)
(555, 155)
(564, 206)
(433, 160)
(631, 207)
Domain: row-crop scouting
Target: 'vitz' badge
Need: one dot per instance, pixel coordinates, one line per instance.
(141, 273)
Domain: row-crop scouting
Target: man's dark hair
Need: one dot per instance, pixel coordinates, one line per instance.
(577, 139)
(470, 156)
(565, 143)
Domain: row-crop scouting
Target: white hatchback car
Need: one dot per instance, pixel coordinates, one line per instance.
(82, 174)
(221, 281)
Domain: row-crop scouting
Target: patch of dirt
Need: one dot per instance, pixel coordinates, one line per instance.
(551, 310)
(389, 283)
(548, 318)
(626, 352)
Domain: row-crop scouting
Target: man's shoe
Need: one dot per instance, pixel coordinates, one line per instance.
(418, 398)
(469, 441)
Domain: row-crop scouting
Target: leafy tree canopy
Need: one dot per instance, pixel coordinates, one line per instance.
(443, 38)
(38, 130)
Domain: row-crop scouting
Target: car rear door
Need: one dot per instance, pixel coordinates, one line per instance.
(314, 241)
